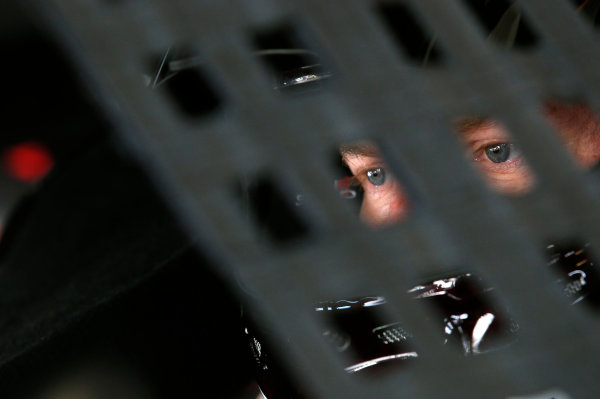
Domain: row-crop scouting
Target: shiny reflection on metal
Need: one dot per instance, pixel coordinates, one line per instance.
(440, 287)
(375, 302)
(344, 187)
(373, 362)
(347, 303)
(481, 327)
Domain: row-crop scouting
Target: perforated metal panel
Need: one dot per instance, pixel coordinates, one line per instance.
(196, 156)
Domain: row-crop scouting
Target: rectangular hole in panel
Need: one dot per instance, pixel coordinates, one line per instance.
(577, 272)
(381, 197)
(589, 9)
(410, 36)
(179, 74)
(292, 65)
(504, 23)
(367, 342)
(495, 155)
(276, 215)
(470, 316)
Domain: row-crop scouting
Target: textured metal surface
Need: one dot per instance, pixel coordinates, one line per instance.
(377, 94)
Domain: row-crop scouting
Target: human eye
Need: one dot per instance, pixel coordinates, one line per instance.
(495, 155)
(369, 183)
(503, 165)
(367, 180)
(382, 198)
(373, 179)
(498, 153)
(376, 176)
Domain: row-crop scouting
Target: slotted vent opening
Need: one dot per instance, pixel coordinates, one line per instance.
(368, 185)
(576, 271)
(275, 215)
(409, 34)
(493, 152)
(292, 65)
(589, 9)
(471, 317)
(369, 344)
(504, 23)
(181, 76)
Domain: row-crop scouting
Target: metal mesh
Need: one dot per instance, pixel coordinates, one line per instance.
(376, 92)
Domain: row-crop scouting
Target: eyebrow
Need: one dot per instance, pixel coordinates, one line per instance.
(468, 124)
(359, 148)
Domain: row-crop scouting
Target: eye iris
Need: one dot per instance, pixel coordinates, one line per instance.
(376, 176)
(498, 153)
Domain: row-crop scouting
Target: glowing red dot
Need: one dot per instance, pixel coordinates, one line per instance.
(28, 161)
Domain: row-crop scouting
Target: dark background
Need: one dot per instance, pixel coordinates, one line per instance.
(98, 285)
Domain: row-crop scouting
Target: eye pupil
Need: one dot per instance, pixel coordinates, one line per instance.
(498, 153)
(376, 176)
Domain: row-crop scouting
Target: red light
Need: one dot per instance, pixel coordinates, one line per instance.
(28, 161)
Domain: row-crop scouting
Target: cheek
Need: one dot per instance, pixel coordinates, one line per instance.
(384, 210)
(517, 182)
(579, 129)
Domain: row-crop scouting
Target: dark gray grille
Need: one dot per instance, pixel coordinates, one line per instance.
(376, 92)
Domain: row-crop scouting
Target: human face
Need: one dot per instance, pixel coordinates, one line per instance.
(488, 145)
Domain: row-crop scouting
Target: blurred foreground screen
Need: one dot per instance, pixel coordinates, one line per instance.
(301, 199)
